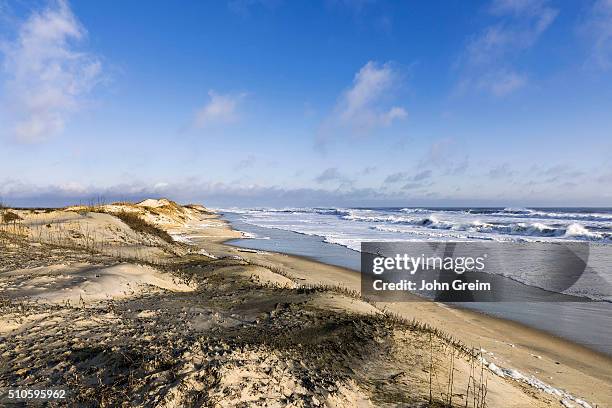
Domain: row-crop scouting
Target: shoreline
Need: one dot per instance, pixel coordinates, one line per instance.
(563, 364)
(165, 282)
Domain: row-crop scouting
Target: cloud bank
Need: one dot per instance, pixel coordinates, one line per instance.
(15, 193)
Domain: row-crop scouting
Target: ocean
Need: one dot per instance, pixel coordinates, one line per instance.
(350, 226)
(334, 236)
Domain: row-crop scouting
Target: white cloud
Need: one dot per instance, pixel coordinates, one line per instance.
(161, 185)
(72, 187)
(47, 76)
(599, 28)
(487, 63)
(364, 107)
(422, 175)
(330, 174)
(220, 109)
(394, 113)
(246, 163)
(403, 176)
(446, 154)
(396, 177)
(360, 106)
(502, 82)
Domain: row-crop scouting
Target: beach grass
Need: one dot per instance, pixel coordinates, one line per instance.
(136, 223)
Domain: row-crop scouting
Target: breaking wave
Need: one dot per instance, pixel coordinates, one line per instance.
(572, 230)
(341, 225)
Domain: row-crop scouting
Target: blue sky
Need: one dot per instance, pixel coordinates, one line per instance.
(297, 103)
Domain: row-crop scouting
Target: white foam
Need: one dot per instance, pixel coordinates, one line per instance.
(535, 383)
(181, 238)
(577, 230)
(251, 235)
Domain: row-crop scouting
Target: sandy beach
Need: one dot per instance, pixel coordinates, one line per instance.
(146, 304)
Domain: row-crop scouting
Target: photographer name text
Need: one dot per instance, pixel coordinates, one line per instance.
(423, 285)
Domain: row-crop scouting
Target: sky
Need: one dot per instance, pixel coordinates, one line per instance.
(307, 103)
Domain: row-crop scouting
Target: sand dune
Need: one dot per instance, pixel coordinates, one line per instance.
(113, 310)
(84, 284)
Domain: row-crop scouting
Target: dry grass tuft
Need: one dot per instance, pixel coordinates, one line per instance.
(139, 225)
(9, 216)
